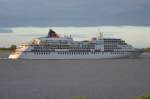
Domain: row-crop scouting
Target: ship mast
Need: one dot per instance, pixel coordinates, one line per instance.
(100, 35)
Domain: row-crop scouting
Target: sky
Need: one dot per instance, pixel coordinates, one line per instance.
(74, 12)
(22, 20)
(137, 36)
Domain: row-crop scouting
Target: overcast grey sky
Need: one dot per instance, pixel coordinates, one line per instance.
(15, 13)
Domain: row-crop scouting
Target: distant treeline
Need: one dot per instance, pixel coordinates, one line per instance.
(147, 50)
(11, 48)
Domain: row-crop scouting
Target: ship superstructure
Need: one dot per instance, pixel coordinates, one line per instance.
(55, 47)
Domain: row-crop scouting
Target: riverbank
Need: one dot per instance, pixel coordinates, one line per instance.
(147, 50)
(9, 49)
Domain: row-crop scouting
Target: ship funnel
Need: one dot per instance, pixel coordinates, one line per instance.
(52, 34)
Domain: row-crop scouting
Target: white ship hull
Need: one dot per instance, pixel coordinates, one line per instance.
(104, 55)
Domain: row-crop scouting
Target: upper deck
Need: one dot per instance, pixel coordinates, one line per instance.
(54, 41)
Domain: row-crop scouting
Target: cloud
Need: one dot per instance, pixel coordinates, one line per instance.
(5, 30)
(73, 12)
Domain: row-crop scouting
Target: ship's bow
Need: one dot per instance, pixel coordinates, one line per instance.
(14, 55)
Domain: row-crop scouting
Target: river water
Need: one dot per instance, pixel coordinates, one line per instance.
(67, 79)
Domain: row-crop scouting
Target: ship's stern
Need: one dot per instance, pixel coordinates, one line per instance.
(137, 52)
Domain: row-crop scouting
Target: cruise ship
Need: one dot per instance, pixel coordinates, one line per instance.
(55, 47)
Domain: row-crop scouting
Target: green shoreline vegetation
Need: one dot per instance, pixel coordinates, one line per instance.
(12, 48)
(140, 97)
(147, 50)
